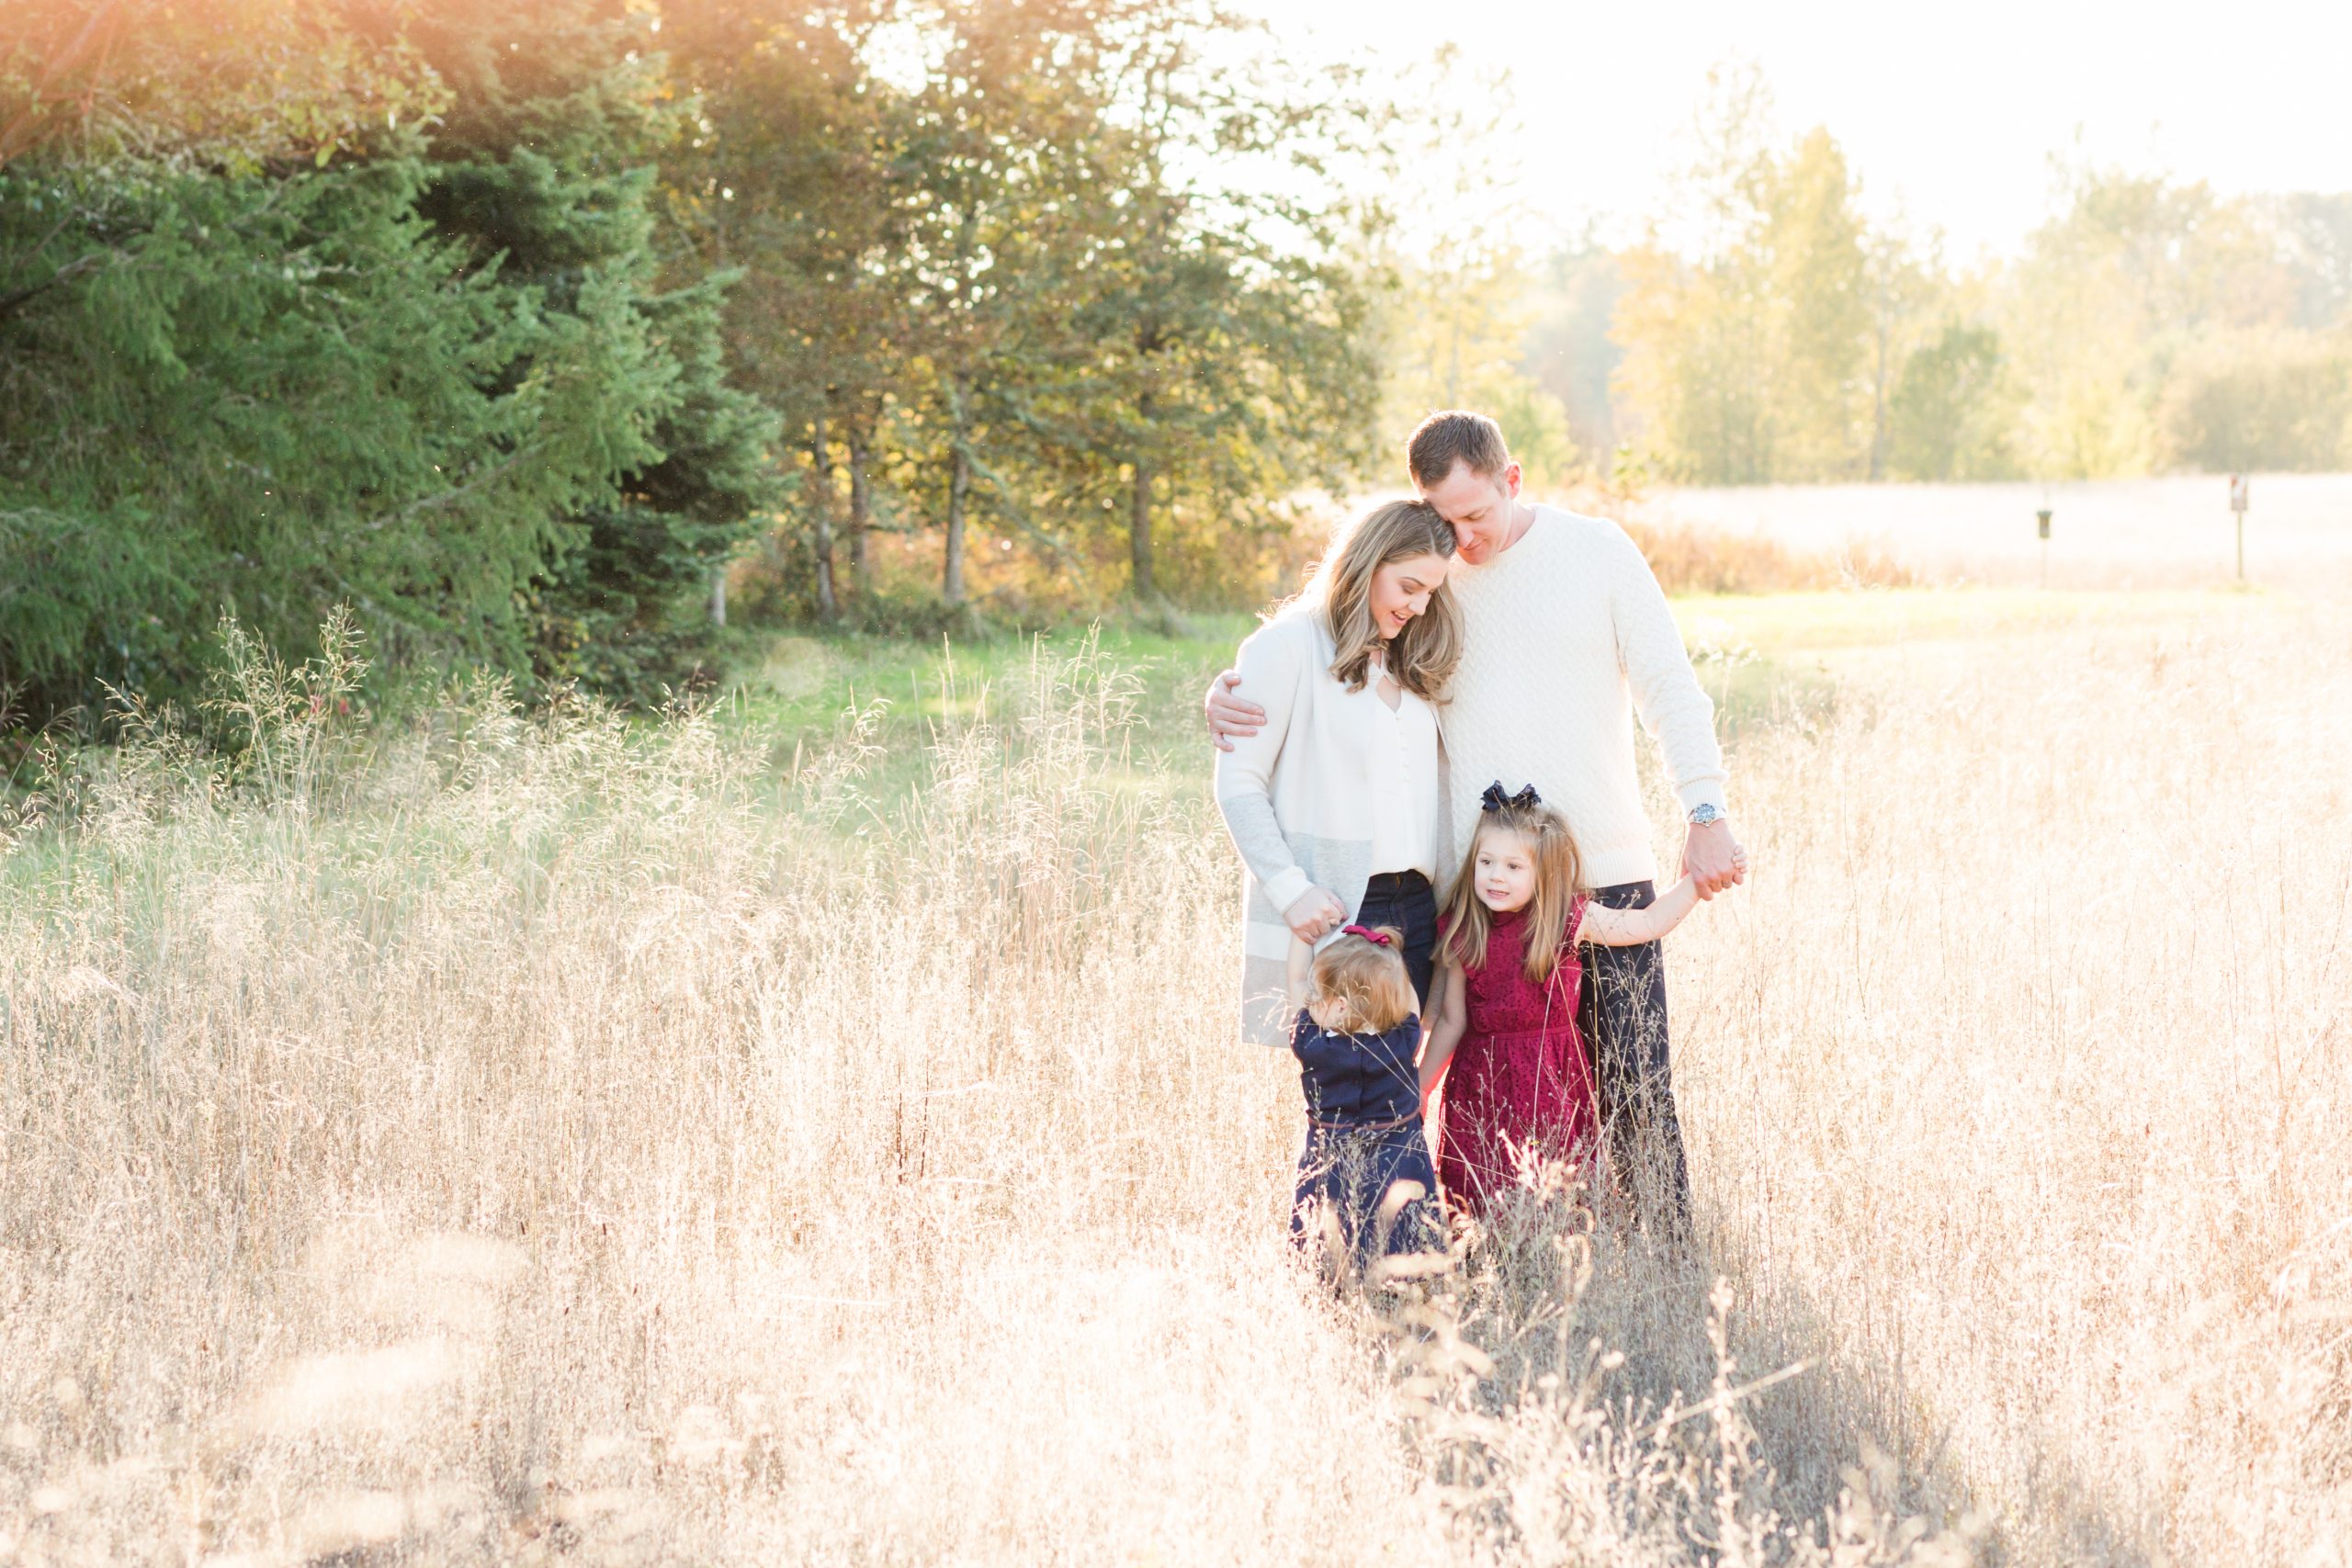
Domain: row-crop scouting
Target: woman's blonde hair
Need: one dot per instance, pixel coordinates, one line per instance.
(1559, 876)
(1420, 658)
(1366, 977)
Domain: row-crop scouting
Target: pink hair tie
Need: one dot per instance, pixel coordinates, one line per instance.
(1378, 938)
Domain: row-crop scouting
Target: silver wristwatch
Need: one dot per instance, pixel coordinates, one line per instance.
(1705, 814)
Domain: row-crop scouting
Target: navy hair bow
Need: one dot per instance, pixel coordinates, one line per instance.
(1494, 799)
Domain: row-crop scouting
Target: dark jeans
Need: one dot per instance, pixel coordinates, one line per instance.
(1623, 1016)
(1404, 899)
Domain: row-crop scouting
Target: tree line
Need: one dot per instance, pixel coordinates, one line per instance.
(551, 336)
(512, 327)
(1775, 333)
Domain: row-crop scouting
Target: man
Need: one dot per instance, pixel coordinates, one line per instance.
(1568, 636)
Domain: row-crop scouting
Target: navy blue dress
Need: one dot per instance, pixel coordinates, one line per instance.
(1363, 1136)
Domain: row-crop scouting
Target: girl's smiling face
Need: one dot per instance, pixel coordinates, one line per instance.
(1504, 872)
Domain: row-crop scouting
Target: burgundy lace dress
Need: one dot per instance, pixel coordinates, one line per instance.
(1520, 1079)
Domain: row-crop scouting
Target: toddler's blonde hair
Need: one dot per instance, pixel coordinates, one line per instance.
(1367, 980)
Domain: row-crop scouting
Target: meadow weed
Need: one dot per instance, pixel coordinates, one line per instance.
(513, 1134)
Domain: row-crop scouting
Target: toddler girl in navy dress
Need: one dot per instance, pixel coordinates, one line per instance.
(1365, 1165)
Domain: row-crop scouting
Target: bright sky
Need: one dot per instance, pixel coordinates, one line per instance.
(1951, 110)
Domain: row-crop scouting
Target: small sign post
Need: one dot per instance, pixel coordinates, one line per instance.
(2237, 506)
(2042, 526)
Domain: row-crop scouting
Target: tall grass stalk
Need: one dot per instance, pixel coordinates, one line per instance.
(522, 1135)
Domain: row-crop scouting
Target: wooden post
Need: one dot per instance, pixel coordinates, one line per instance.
(2238, 487)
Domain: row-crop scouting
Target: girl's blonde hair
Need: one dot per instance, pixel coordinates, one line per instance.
(1559, 876)
(1422, 657)
(1366, 977)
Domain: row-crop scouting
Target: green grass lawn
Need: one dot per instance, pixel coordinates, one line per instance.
(803, 685)
(1759, 655)
(806, 681)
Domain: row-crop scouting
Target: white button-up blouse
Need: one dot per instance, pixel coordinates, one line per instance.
(1405, 802)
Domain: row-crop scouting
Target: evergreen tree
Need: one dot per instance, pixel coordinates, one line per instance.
(443, 384)
(271, 395)
(548, 172)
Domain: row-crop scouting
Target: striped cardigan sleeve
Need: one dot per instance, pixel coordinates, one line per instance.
(1275, 664)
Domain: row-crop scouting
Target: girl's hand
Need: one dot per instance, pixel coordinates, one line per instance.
(1605, 927)
(1315, 912)
(1437, 1047)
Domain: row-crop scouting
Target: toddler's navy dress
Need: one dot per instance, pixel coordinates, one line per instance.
(1363, 1136)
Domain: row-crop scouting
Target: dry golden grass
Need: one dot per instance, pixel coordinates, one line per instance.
(2173, 532)
(525, 1137)
(1692, 559)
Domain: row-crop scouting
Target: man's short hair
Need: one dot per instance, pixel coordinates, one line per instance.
(1456, 435)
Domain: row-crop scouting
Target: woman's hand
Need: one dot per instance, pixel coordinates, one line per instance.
(1314, 913)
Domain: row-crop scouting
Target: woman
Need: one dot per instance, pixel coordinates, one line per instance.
(1337, 803)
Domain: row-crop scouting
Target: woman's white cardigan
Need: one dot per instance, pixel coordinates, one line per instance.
(1296, 796)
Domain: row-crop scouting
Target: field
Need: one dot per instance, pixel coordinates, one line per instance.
(809, 1130)
(2174, 532)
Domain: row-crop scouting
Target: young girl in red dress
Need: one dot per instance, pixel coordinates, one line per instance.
(1517, 1079)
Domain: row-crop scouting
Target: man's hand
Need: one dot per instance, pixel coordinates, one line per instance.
(1317, 911)
(1229, 716)
(1713, 858)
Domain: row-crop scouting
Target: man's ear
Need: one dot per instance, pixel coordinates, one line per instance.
(1510, 479)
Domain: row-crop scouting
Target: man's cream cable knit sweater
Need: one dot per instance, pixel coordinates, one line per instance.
(1567, 637)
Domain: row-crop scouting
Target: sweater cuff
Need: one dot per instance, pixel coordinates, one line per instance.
(1283, 889)
(1703, 792)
